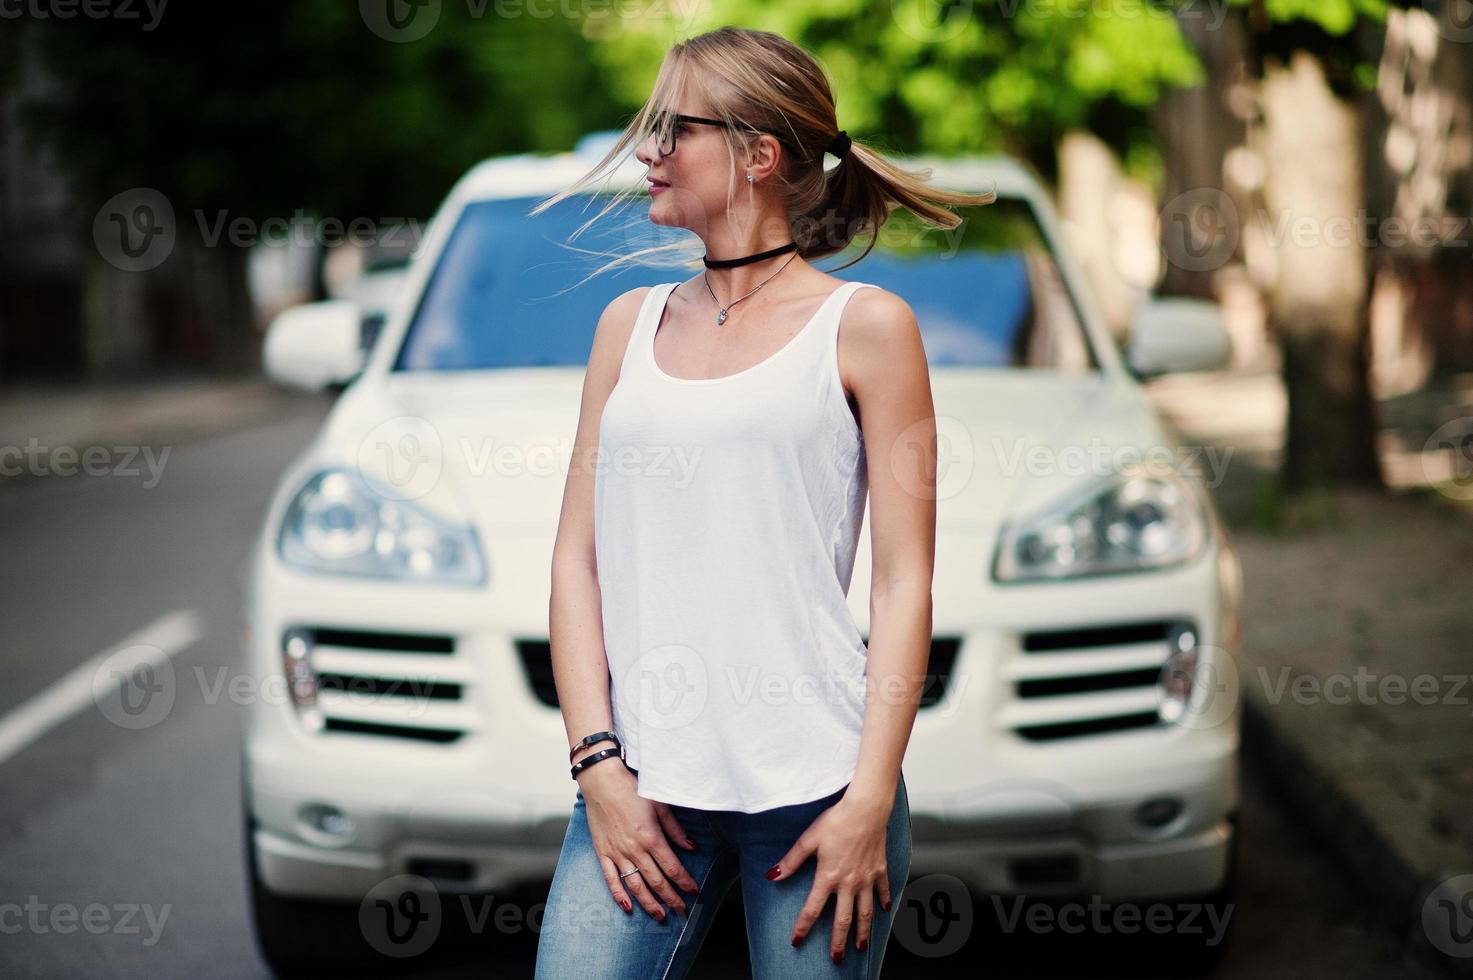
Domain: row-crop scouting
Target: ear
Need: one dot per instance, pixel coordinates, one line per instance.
(765, 155)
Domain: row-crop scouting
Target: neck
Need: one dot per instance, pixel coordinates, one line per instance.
(727, 242)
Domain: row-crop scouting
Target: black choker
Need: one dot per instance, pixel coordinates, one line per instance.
(744, 260)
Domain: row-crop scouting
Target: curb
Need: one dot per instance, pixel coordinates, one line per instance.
(1374, 815)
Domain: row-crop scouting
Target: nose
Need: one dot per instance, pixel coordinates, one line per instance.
(649, 148)
(647, 153)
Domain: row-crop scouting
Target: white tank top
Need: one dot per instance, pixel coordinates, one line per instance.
(726, 517)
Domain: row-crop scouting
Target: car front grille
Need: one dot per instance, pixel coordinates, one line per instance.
(411, 686)
(1090, 680)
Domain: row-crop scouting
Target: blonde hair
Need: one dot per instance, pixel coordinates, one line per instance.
(759, 81)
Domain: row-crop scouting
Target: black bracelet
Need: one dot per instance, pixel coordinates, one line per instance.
(598, 756)
(592, 739)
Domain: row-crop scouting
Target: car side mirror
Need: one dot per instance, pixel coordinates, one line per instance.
(315, 346)
(1177, 333)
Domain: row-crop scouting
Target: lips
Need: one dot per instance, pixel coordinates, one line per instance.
(658, 183)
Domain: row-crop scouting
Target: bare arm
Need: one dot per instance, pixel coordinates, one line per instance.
(884, 364)
(575, 618)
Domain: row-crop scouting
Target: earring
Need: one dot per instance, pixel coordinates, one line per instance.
(751, 179)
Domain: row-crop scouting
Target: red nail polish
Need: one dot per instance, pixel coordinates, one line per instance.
(773, 872)
(838, 957)
(860, 945)
(795, 940)
(625, 905)
(885, 905)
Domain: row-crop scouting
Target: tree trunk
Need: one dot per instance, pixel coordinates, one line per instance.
(1318, 301)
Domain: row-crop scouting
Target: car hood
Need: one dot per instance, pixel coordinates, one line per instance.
(493, 447)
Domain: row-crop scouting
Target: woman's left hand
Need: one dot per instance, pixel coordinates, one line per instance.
(849, 839)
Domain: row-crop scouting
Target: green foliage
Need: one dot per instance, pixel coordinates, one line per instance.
(1332, 16)
(991, 75)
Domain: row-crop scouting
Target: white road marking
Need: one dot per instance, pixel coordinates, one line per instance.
(152, 645)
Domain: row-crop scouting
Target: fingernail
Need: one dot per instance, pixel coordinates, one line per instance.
(837, 957)
(625, 906)
(661, 916)
(860, 945)
(690, 844)
(885, 905)
(795, 940)
(773, 872)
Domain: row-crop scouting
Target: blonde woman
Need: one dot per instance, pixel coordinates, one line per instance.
(725, 718)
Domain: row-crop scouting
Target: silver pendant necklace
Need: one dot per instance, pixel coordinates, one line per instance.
(721, 316)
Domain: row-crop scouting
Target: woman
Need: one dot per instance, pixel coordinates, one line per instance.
(718, 696)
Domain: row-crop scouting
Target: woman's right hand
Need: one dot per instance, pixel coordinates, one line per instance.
(629, 831)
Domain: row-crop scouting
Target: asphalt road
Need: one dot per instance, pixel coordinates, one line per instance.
(120, 844)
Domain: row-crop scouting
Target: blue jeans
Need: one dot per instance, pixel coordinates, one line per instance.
(585, 934)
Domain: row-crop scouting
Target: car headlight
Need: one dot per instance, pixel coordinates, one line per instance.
(1140, 519)
(338, 523)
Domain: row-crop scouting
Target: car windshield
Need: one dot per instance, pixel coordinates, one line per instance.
(986, 294)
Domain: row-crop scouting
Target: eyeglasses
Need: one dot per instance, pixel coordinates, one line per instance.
(667, 127)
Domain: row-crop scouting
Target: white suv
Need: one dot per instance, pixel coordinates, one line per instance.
(1078, 734)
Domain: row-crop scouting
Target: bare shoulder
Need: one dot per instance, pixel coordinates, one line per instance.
(878, 333)
(611, 335)
(876, 315)
(619, 315)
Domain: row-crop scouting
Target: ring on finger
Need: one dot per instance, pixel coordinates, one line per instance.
(631, 871)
